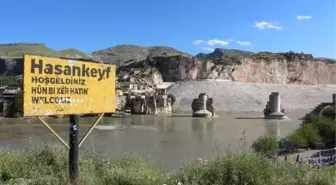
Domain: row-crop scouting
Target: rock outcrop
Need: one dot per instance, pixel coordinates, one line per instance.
(279, 71)
(284, 68)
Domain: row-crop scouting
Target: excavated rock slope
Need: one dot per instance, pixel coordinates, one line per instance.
(248, 69)
(250, 97)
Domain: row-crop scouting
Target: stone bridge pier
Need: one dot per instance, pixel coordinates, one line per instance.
(202, 106)
(273, 108)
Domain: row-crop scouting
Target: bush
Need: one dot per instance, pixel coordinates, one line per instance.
(305, 136)
(298, 140)
(329, 113)
(316, 128)
(266, 145)
(327, 130)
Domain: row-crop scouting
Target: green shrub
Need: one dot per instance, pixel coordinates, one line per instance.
(298, 140)
(265, 145)
(305, 136)
(316, 128)
(327, 130)
(329, 113)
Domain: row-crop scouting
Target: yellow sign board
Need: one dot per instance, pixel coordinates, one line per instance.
(55, 86)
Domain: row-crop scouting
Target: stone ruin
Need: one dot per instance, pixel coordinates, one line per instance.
(274, 108)
(7, 101)
(158, 103)
(319, 109)
(202, 106)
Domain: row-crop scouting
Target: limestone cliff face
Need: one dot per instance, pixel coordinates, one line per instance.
(248, 69)
(285, 72)
(172, 68)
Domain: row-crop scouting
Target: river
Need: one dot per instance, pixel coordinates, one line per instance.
(169, 141)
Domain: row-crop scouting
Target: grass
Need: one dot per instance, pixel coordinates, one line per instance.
(50, 166)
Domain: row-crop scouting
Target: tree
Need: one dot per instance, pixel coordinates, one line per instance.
(307, 135)
(266, 145)
(329, 113)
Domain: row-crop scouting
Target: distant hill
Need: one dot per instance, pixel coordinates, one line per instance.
(74, 53)
(17, 50)
(220, 53)
(122, 53)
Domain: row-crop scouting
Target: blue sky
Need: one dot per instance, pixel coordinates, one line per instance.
(191, 26)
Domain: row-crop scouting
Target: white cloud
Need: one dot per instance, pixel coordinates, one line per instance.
(208, 49)
(302, 17)
(243, 43)
(213, 42)
(267, 25)
(231, 40)
(198, 42)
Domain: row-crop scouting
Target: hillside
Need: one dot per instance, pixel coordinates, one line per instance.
(219, 53)
(128, 53)
(17, 50)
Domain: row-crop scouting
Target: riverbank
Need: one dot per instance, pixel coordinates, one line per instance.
(50, 166)
(234, 97)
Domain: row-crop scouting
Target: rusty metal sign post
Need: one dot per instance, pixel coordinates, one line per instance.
(55, 86)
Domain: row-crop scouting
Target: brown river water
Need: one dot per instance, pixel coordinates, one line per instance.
(169, 141)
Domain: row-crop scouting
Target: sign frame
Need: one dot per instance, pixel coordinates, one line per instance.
(73, 145)
(51, 95)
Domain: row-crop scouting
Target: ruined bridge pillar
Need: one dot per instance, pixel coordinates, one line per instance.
(273, 108)
(202, 105)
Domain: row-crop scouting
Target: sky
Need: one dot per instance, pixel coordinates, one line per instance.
(192, 26)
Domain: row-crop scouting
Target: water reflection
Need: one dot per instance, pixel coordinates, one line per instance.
(165, 124)
(202, 123)
(272, 128)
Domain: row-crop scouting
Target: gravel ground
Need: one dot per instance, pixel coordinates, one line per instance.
(233, 97)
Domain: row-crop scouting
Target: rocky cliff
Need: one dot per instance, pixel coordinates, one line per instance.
(169, 64)
(284, 68)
